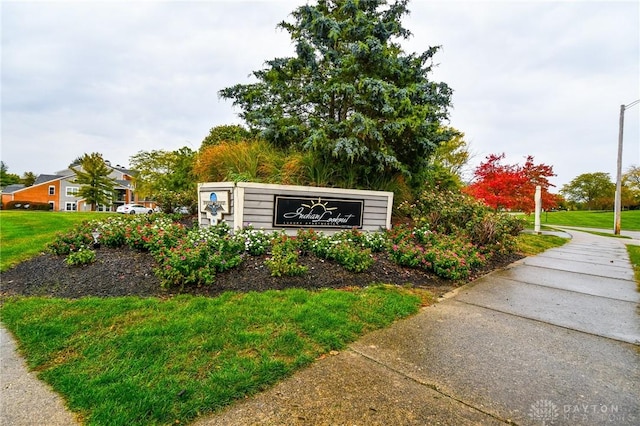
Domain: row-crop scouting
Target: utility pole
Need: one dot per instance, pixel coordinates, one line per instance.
(618, 199)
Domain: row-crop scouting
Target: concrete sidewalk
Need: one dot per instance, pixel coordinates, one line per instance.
(553, 339)
(25, 400)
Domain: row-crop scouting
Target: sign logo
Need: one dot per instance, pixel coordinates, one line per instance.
(216, 205)
(302, 212)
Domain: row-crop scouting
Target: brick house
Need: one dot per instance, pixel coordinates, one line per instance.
(60, 191)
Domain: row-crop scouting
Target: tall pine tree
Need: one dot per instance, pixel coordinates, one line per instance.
(351, 95)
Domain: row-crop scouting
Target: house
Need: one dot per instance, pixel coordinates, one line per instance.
(61, 192)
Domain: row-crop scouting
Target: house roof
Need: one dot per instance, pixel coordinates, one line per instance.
(12, 188)
(46, 178)
(127, 171)
(67, 173)
(124, 183)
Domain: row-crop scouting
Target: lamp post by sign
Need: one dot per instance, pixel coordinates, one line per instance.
(618, 200)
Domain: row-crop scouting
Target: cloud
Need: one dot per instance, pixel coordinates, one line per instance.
(529, 78)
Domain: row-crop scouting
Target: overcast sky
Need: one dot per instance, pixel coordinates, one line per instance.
(529, 77)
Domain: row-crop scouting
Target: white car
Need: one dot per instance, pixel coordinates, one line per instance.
(133, 209)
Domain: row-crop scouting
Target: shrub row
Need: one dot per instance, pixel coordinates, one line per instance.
(26, 205)
(452, 236)
(465, 218)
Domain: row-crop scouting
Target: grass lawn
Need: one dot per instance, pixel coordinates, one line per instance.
(530, 245)
(629, 220)
(634, 255)
(135, 361)
(24, 234)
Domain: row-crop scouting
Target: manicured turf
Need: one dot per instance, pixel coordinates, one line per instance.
(24, 234)
(634, 256)
(529, 244)
(133, 361)
(629, 220)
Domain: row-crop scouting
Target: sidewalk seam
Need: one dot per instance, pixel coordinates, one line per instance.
(571, 291)
(432, 386)
(589, 262)
(582, 273)
(636, 343)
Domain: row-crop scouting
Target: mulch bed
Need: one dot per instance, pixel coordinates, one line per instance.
(126, 272)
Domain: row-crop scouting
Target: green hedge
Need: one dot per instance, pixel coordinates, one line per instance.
(27, 205)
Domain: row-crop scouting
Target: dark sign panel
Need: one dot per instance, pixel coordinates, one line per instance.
(320, 212)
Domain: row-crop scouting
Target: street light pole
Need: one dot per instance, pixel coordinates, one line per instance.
(618, 199)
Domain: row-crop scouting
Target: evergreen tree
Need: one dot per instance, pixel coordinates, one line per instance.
(7, 178)
(351, 95)
(93, 176)
(28, 178)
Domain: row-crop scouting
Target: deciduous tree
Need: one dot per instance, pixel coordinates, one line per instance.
(446, 166)
(166, 177)
(512, 186)
(225, 133)
(631, 187)
(594, 190)
(350, 95)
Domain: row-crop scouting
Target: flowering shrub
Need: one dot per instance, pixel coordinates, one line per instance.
(198, 256)
(313, 242)
(256, 242)
(188, 264)
(450, 257)
(450, 241)
(409, 254)
(351, 258)
(72, 241)
(351, 249)
(83, 256)
(155, 236)
(374, 241)
(113, 230)
(284, 257)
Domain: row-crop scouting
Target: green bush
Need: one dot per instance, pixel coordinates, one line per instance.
(350, 257)
(83, 256)
(284, 258)
(198, 256)
(27, 205)
(454, 213)
(448, 256)
(495, 232)
(72, 241)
